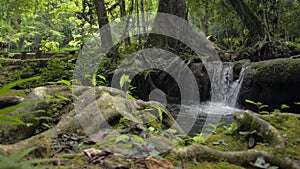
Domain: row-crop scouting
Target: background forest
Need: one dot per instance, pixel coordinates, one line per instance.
(57, 25)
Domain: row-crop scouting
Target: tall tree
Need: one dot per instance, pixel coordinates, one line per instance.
(249, 18)
(105, 32)
(174, 7)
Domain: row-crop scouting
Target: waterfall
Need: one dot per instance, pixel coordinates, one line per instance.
(224, 89)
(224, 94)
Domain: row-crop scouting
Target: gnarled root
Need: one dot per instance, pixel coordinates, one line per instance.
(90, 114)
(243, 158)
(250, 121)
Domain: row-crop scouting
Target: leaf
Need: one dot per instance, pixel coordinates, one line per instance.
(122, 137)
(124, 78)
(46, 125)
(10, 85)
(17, 156)
(152, 129)
(102, 77)
(62, 97)
(284, 106)
(29, 124)
(66, 82)
(14, 119)
(247, 132)
(172, 131)
(94, 80)
(251, 142)
(263, 106)
(12, 108)
(7, 162)
(140, 139)
(263, 112)
(250, 101)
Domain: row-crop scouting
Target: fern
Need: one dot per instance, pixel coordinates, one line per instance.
(14, 161)
(13, 120)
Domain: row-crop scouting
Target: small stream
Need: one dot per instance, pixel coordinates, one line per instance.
(195, 118)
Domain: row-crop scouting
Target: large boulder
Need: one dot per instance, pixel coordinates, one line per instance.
(272, 82)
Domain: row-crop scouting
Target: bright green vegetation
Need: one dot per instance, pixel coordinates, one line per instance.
(18, 161)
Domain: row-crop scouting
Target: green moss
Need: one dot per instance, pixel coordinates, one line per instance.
(202, 164)
(13, 92)
(290, 129)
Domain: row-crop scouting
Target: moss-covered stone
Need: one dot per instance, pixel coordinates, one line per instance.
(272, 82)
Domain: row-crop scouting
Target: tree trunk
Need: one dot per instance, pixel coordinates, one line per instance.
(105, 33)
(175, 7)
(123, 14)
(249, 18)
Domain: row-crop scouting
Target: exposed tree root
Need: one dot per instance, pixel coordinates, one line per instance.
(90, 114)
(243, 158)
(250, 121)
(105, 105)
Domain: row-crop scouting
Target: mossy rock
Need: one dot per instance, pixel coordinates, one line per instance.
(272, 82)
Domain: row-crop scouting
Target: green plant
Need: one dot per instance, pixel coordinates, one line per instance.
(259, 105)
(49, 46)
(200, 138)
(253, 137)
(40, 124)
(14, 161)
(230, 129)
(215, 128)
(13, 120)
(124, 80)
(56, 70)
(98, 80)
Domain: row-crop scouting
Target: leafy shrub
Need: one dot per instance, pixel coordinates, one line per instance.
(57, 69)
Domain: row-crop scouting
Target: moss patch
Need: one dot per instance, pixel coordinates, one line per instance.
(13, 92)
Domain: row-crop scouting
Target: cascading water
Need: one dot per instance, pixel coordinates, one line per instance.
(224, 95)
(223, 87)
